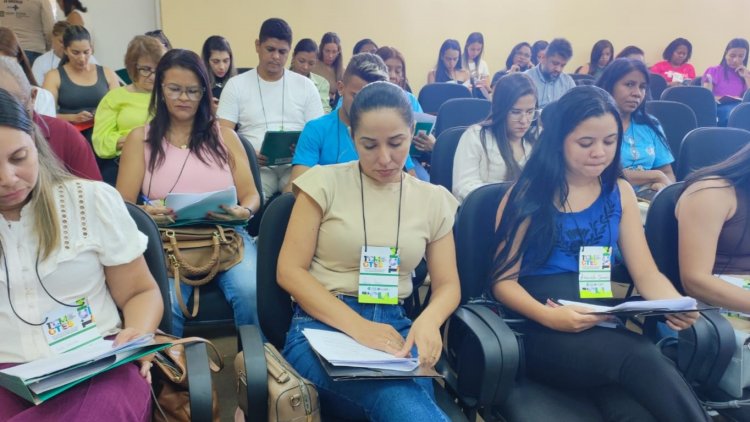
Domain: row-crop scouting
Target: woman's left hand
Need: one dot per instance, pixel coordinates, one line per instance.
(127, 335)
(682, 321)
(426, 335)
(424, 142)
(232, 213)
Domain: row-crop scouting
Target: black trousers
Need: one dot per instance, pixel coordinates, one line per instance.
(623, 373)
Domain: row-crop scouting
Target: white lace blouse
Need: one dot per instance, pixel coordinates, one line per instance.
(95, 231)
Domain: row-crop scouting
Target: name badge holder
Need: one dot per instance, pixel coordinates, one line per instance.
(67, 328)
(595, 272)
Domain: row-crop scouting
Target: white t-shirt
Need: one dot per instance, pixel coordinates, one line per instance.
(95, 231)
(472, 167)
(45, 102)
(258, 105)
(482, 73)
(47, 62)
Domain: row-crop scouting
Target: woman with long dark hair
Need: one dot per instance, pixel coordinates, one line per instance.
(569, 206)
(730, 79)
(304, 59)
(448, 67)
(519, 60)
(185, 150)
(496, 149)
(714, 243)
(645, 156)
(219, 60)
(330, 64)
(602, 55)
(675, 67)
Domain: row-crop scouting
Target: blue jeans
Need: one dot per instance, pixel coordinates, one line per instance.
(237, 283)
(723, 111)
(411, 400)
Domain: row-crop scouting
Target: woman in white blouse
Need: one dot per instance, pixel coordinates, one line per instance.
(496, 149)
(66, 240)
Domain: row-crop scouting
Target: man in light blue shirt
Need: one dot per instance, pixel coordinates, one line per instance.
(327, 139)
(551, 83)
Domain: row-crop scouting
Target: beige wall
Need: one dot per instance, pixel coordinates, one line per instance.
(418, 27)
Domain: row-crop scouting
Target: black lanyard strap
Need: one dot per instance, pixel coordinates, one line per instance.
(362, 192)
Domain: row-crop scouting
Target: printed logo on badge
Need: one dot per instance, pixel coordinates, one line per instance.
(378, 275)
(595, 272)
(67, 328)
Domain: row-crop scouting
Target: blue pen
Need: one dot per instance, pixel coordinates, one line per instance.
(145, 200)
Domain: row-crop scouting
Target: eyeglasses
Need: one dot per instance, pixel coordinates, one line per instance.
(145, 71)
(517, 115)
(174, 92)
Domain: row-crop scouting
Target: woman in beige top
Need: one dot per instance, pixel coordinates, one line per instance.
(343, 214)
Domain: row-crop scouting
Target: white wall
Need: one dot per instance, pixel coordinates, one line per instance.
(114, 23)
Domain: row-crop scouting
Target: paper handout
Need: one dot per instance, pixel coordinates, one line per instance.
(643, 307)
(342, 350)
(195, 206)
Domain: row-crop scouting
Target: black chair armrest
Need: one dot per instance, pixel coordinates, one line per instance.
(199, 382)
(705, 350)
(474, 357)
(510, 350)
(251, 342)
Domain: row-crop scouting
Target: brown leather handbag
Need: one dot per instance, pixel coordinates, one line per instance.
(196, 254)
(291, 398)
(169, 379)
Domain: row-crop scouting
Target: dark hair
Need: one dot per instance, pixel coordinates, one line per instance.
(514, 51)
(204, 138)
(332, 38)
(669, 51)
(71, 5)
(471, 39)
(217, 43)
(72, 34)
(441, 73)
(596, 54)
(161, 36)
(536, 48)
(13, 114)
(735, 43)
(361, 44)
(631, 49)
(507, 91)
(542, 185)
(366, 66)
(379, 95)
(387, 53)
(305, 45)
(275, 28)
(735, 169)
(616, 71)
(9, 46)
(560, 47)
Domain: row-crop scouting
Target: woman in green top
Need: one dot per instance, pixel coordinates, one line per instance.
(304, 59)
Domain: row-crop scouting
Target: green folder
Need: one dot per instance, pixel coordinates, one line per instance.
(277, 147)
(425, 127)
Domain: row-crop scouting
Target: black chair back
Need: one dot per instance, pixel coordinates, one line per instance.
(274, 304)
(254, 224)
(698, 98)
(705, 146)
(432, 96)
(661, 232)
(676, 119)
(740, 117)
(461, 112)
(154, 256)
(657, 85)
(582, 79)
(474, 232)
(441, 172)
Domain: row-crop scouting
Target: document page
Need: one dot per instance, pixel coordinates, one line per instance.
(342, 350)
(641, 307)
(195, 206)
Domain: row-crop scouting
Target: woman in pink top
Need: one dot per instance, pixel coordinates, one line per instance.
(186, 151)
(675, 67)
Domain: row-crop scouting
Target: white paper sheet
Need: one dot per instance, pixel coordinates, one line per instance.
(684, 303)
(195, 206)
(342, 350)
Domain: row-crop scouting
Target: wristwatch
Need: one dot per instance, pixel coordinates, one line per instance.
(250, 210)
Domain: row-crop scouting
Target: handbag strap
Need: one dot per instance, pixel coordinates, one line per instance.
(178, 292)
(212, 364)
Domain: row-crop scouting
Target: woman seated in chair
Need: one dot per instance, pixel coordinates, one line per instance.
(519, 60)
(219, 60)
(675, 67)
(345, 214)
(569, 205)
(713, 238)
(448, 67)
(645, 156)
(184, 150)
(495, 150)
(125, 108)
(65, 239)
(304, 59)
(730, 79)
(602, 55)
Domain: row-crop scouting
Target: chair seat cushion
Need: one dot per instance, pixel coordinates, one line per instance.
(531, 401)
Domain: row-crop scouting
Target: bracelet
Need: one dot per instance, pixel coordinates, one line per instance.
(250, 210)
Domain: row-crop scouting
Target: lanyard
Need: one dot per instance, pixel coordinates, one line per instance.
(283, 98)
(362, 191)
(578, 229)
(339, 123)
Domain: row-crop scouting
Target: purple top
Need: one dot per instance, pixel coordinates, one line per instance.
(729, 84)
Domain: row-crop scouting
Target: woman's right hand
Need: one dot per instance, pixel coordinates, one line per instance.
(161, 214)
(379, 336)
(83, 117)
(514, 68)
(571, 318)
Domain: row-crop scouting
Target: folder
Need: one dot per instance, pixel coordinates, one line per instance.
(277, 147)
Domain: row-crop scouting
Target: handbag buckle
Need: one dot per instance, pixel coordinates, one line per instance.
(169, 233)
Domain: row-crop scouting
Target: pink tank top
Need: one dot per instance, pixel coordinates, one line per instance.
(183, 172)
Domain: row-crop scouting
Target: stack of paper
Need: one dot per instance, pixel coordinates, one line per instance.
(644, 307)
(342, 350)
(196, 206)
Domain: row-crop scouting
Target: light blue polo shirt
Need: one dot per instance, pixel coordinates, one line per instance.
(326, 140)
(415, 106)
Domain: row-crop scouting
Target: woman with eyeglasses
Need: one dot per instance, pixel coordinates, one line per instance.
(519, 60)
(496, 149)
(125, 108)
(185, 150)
(646, 158)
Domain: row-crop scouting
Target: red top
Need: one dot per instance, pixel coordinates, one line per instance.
(69, 146)
(679, 73)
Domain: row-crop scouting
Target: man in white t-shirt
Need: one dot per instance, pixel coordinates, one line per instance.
(269, 98)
